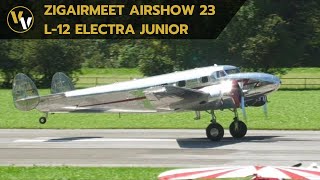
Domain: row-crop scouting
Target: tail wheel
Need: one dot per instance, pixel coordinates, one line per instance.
(42, 120)
(215, 132)
(238, 129)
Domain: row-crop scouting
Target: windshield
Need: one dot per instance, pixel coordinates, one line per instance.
(232, 71)
(220, 74)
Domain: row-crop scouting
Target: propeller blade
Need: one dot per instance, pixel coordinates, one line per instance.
(243, 108)
(242, 103)
(240, 83)
(265, 109)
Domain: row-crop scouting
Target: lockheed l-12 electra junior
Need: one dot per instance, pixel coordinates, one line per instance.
(201, 89)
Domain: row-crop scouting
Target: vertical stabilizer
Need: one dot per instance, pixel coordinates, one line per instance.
(61, 83)
(25, 93)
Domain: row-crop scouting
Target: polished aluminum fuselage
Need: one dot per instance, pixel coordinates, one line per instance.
(130, 96)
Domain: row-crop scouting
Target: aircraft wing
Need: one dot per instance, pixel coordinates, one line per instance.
(175, 98)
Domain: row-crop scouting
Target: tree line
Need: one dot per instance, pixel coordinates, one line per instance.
(266, 36)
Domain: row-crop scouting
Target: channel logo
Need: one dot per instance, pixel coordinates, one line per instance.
(20, 19)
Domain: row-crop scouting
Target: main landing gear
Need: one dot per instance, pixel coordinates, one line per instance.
(43, 119)
(238, 129)
(215, 131)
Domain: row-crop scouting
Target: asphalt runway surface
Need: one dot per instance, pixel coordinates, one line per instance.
(155, 148)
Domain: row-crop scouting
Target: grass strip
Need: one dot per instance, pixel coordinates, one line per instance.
(290, 110)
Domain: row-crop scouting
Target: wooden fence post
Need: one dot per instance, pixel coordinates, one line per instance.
(305, 83)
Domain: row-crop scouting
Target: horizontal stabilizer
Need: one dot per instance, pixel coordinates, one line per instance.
(25, 93)
(61, 83)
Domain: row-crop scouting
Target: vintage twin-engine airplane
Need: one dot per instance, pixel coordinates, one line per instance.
(201, 89)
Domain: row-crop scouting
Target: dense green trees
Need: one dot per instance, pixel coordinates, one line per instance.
(39, 59)
(264, 36)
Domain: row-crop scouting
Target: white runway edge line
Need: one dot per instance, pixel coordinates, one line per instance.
(93, 140)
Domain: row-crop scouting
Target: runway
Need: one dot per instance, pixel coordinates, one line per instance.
(155, 148)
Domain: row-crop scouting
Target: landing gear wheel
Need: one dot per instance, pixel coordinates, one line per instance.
(215, 132)
(238, 129)
(42, 120)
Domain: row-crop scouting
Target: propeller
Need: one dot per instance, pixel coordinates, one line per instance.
(242, 101)
(243, 107)
(265, 107)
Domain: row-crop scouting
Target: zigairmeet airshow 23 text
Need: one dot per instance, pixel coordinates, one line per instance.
(193, 19)
(118, 10)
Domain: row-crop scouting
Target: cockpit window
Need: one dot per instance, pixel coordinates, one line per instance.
(220, 74)
(233, 71)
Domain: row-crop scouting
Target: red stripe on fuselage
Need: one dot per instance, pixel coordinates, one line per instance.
(120, 101)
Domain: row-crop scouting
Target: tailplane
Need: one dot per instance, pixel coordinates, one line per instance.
(25, 93)
(61, 83)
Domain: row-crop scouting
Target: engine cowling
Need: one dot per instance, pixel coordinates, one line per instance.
(256, 101)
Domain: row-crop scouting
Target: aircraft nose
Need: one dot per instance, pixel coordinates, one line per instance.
(276, 81)
(270, 82)
(267, 82)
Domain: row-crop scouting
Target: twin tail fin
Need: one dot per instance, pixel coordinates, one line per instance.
(25, 93)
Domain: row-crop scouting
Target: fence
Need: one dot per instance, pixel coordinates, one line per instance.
(300, 83)
(287, 83)
(84, 81)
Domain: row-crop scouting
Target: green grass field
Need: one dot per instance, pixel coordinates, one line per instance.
(93, 77)
(302, 73)
(308, 78)
(116, 72)
(82, 173)
(78, 173)
(134, 72)
(287, 110)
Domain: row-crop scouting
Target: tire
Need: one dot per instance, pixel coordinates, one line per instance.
(215, 132)
(42, 120)
(238, 129)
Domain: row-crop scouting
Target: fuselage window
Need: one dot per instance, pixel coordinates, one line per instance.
(204, 79)
(182, 83)
(213, 77)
